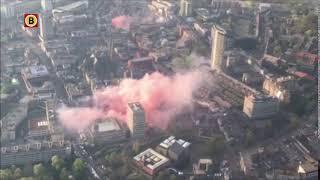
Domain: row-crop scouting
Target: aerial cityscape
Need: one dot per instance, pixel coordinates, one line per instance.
(159, 90)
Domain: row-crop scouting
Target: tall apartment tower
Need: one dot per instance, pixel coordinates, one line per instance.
(46, 5)
(136, 120)
(185, 8)
(218, 43)
(46, 28)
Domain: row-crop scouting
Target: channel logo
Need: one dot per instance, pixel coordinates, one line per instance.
(31, 20)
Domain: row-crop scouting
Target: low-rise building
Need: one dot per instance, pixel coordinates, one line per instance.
(260, 106)
(74, 91)
(177, 150)
(308, 170)
(33, 152)
(11, 121)
(280, 88)
(202, 167)
(150, 161)
(38, 81)
(106, 131)
(38, 127)
(10, 9)
(71, 8)
(162, 8)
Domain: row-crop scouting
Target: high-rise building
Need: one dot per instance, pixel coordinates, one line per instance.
(260, 106)
(46, 5)
(258, 24)
(218, 43)
(46, 29)
(185, 8)
(136, 120)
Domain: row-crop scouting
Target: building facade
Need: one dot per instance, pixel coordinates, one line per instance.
(46, 29)
(217, 51)
(280, 88)
(32, 153)
(150, 161)
(186, 8)
(46, 5)
(260, 107)
(106, 131)
(308, 170)
(18, 8)
(12, 121)
(136, 120)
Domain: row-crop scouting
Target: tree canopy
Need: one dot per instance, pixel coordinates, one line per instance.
(39, 170)
(57, 162)
(78, 167)
(307, 24)
(64, 175)
(17, 173)
(6, 174)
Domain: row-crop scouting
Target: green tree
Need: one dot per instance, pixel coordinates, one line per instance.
(277, 50)
(26, 178)
(115, 176)
(163, 175)
(39, 170)
(294, 123)
(298, 104)
(7, 88)
(6, 174)
(249, 137)
(57, 162)
(17, 173)
(216, 146)
(125, 170)
(78, 167)
(114, 160)
(181, 63)
(136, 147)
(136, 177)
(307, 23)
(173, 177)
(64, 175)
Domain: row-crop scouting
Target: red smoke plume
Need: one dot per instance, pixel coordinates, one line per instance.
(122, 22)
(162, 98)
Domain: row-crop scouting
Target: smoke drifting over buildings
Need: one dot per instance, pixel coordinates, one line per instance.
(122, 22)
(162, 98)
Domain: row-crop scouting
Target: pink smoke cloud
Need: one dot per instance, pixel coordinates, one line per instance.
(79, 118)
(122, 22)
(162, 98)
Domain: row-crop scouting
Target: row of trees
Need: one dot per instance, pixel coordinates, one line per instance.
(58, 169)
(117, 165)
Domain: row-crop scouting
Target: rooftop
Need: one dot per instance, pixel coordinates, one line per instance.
(15, 117)
(38, 124)
(73, 90)
(136, 107)
(220, 29)
(151, 159)
(308, 167)
(262, 98)
(36, 146)
(107, 125)
(36, 71)
(71, 6)
(167, 143)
